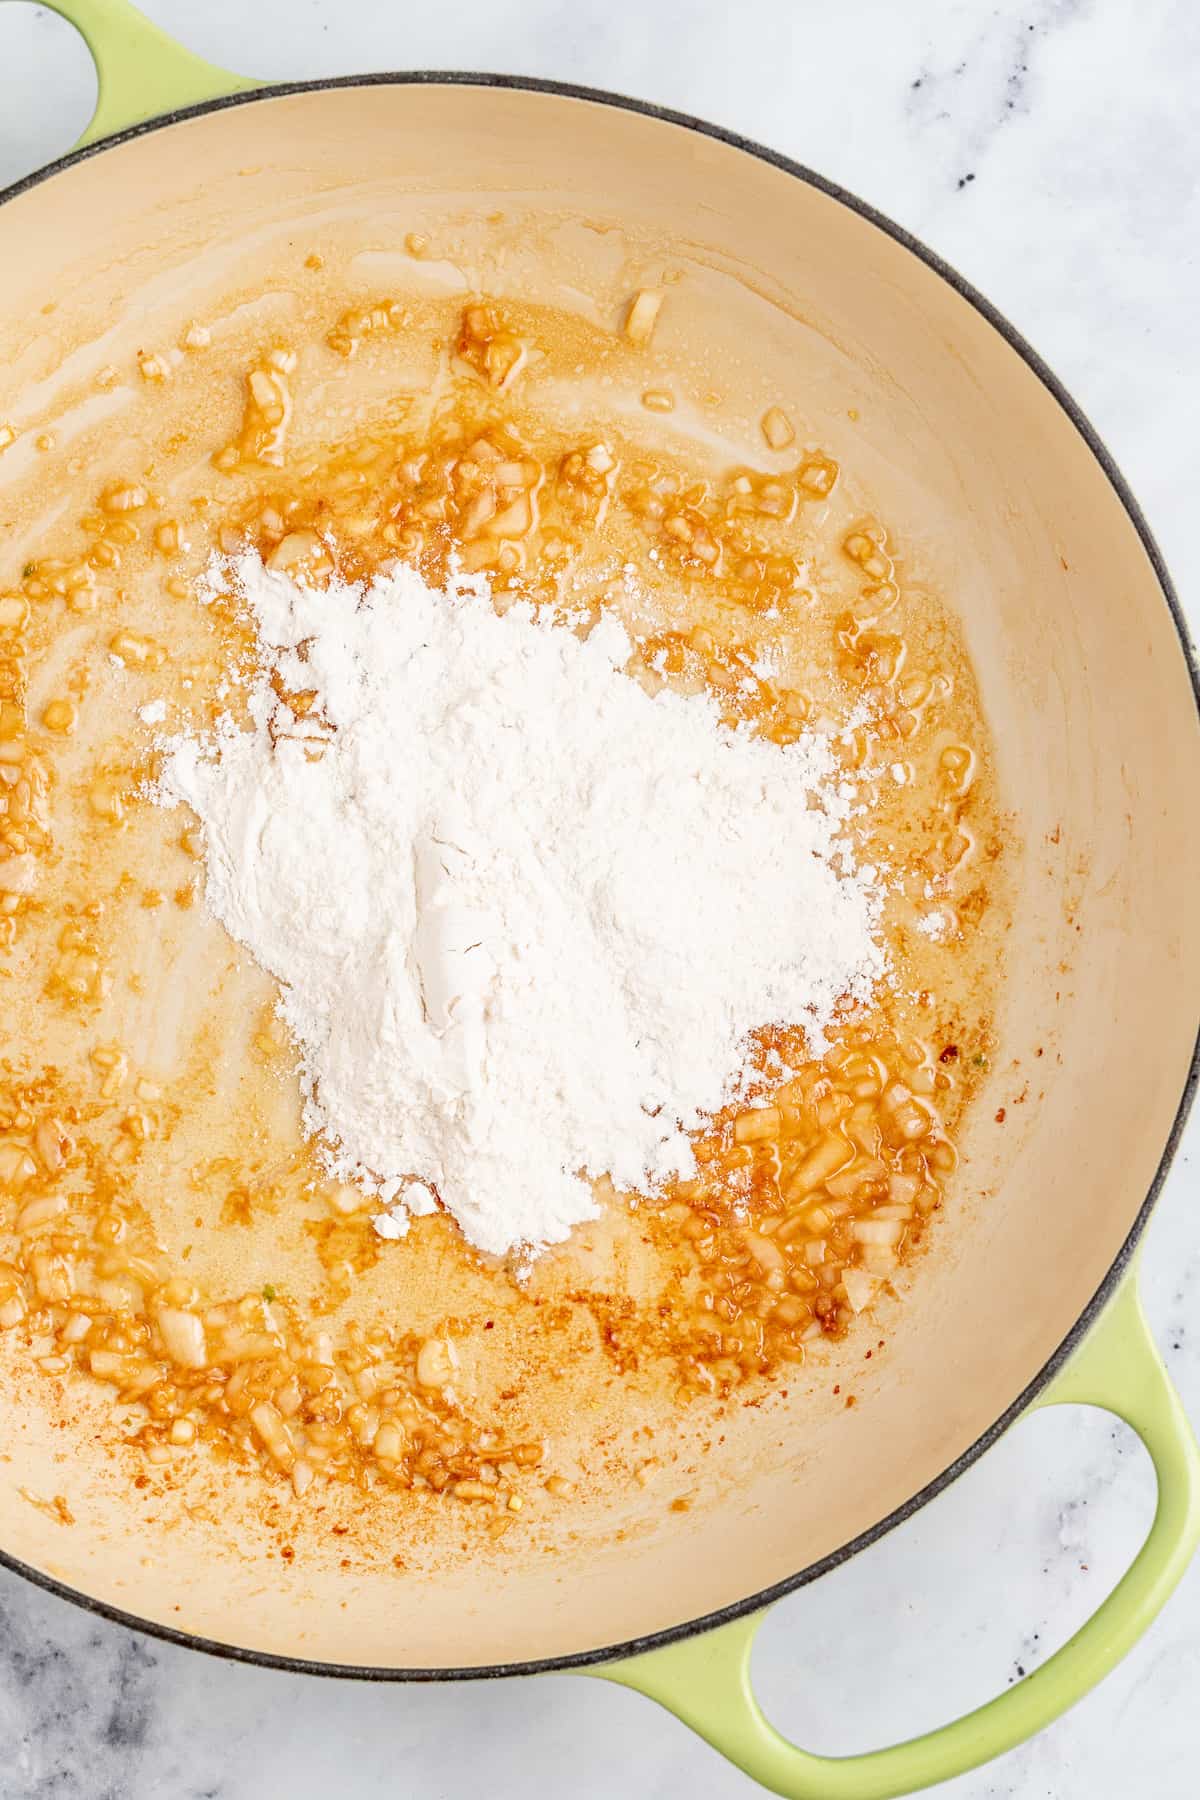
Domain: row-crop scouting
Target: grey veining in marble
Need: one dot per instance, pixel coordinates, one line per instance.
(1050, 151)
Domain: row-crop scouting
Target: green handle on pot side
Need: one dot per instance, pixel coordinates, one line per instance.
(142, 73)
(705, 1680)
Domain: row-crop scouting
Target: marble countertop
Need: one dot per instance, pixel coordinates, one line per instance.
(1049, 150)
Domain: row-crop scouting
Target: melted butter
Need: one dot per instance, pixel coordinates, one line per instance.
(199, 1144)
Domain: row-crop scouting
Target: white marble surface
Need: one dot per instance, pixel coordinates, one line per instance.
(1050, 150)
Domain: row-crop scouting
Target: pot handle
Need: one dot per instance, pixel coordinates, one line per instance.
(142, 72)
(705, 1680)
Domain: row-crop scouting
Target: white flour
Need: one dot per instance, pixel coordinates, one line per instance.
(522, 914)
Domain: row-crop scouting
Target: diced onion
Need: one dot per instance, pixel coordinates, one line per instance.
(903, 1189)
(861, 1288)
(878, 1231)
(437, 1362)
(16, 1166)
(827, 1157)
(643, 315)
(759, 1122)
(183, 1335)
(767, 1255)
(273, 1432)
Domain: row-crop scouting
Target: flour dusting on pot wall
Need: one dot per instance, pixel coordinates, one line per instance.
(522, 912)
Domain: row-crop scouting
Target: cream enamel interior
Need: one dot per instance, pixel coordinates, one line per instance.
(979, 469)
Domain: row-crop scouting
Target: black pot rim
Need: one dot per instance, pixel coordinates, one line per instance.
(608, 1653)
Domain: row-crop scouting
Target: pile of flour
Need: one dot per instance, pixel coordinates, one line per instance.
(522, 913)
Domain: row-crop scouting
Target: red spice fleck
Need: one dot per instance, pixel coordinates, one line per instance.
(1000, 1115)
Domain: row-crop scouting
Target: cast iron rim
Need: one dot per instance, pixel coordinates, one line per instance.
(608, 1653)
